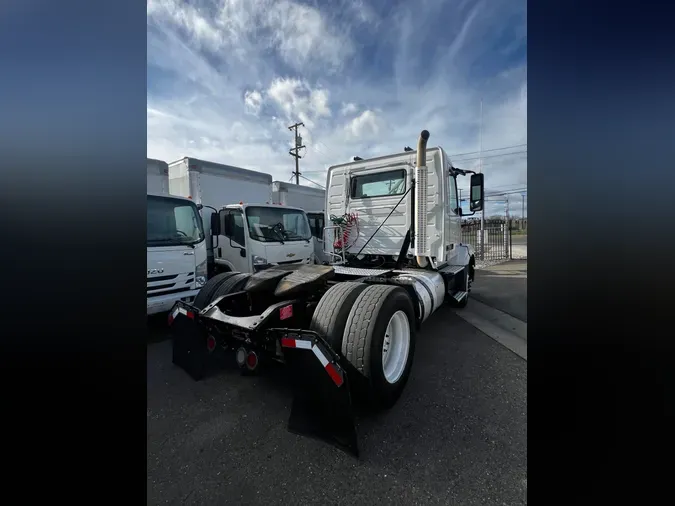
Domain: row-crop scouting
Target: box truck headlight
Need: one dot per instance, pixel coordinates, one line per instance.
(257, 260)
(200, 274)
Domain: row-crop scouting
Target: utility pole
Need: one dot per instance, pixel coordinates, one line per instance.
(480, 170)
(294, 151)
(522, 214)
(507, 227)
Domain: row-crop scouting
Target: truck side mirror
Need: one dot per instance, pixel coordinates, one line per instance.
(215, 224)
(476, 193)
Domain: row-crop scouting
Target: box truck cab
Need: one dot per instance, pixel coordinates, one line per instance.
(175, 244)
(252, 237)
(313, 202)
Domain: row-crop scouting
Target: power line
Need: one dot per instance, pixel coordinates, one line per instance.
(313, 182)
(508, 192)
(489, 150)
(490, 156)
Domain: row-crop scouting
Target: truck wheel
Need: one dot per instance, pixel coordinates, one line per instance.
(330, 315)
(379, 341)
(232, 284)
(206, 293)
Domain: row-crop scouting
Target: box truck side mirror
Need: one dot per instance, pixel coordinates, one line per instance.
(215, 224)
(476, 193)
(229, 225)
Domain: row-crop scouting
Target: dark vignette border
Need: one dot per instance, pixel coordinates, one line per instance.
(601, 131)
(73, 141)
(73, 144)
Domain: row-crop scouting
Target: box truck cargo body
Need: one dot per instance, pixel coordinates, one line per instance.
(158, 177)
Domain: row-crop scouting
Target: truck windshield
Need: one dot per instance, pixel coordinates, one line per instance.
(275, 224)
(173, 222)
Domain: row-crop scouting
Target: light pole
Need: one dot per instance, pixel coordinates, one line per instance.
(480, 170)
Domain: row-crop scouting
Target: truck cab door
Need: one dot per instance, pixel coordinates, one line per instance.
(231, 251)
(453, 219)
(317, 224)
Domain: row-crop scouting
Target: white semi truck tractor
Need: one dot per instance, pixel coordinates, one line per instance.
(346, 331)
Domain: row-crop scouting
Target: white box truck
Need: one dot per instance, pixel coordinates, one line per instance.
(175, 243)
(313, 201)
(248, 233)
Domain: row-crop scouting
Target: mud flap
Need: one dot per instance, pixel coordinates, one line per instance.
(189, 341)
(322, 405)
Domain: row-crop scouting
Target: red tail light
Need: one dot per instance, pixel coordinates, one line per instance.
(211, 343)
(251, 360)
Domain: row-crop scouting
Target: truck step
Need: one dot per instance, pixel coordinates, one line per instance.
(460, 295)
(452, 269)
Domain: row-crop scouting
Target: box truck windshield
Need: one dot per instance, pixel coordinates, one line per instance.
(173, 222)
(275, 224)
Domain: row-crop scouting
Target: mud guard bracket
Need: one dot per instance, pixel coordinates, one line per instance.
(322, 404)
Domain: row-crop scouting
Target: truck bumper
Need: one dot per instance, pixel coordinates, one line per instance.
(164, 303)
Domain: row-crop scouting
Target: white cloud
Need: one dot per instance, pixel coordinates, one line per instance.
(348, 108)
(298, 100)
(299, 34)
(227, 78)
(365, 125)
(253, 101)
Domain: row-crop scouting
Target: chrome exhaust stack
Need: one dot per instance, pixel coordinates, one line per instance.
(422, 251)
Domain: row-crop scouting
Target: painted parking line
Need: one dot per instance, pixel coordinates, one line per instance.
(508, 331)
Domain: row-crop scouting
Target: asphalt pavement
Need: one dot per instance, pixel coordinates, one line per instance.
(504, 287)
(458, 435)
(519, 239)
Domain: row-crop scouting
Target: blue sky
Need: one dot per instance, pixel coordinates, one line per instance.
(227, 77)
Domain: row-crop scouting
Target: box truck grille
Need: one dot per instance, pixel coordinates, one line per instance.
(162, 278)
(167, 292)
(172, 283)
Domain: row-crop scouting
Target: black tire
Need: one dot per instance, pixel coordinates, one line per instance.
(232, 284)
(205, 295)
(330, 315)
(364, 339)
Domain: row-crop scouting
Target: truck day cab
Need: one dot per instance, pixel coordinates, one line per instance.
(175, 243)
(346, 331)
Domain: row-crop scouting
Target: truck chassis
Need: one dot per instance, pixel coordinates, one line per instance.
(272, 316)
(345, 332)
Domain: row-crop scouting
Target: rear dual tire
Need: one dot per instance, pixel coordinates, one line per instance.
(373, 327)
(205, 295)
(379, 341)
(189, 350)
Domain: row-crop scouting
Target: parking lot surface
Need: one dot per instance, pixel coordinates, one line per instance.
(458, 435)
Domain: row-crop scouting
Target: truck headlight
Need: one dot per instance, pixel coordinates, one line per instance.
(257, 260)
(200, 274)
